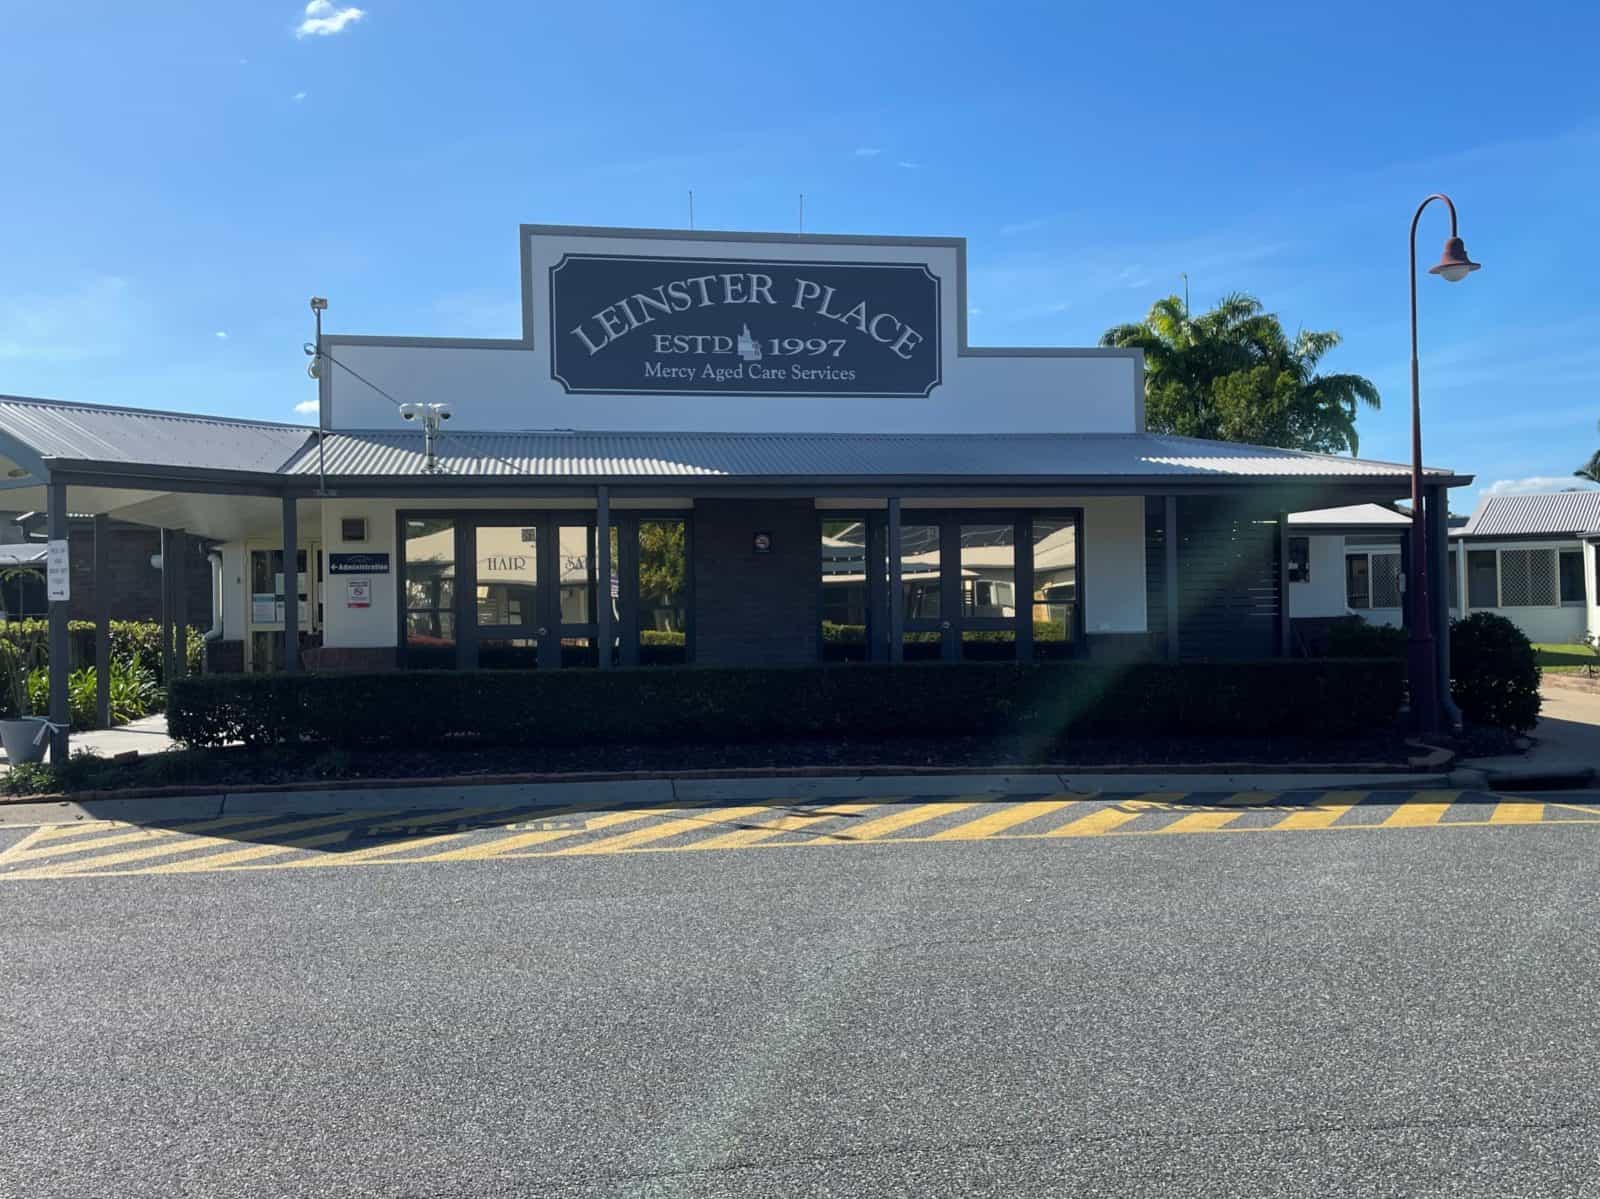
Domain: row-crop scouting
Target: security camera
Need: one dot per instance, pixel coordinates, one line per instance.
(443, 410)
(319, 304)
(410, 411)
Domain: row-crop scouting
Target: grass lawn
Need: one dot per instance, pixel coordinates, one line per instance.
(1565, 659)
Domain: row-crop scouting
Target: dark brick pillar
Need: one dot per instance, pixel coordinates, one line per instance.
(755, 609)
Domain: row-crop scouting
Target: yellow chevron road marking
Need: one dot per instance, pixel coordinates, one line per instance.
(1201, 822)
(400, 844)
(660, 832)
(221, 861)
(163, 839)
(1331, 806)
(54, 832)
(1424, 808)
(1007, 817)
(169, 845)
(30, 839)
(1098, 823)
(906, 818)
(790, 823)
(1513, 812)
(505, 845)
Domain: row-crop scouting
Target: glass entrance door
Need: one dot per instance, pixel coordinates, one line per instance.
(512, 590)
(990, 585)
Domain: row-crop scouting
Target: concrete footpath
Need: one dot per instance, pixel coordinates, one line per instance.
(1566, 745)
(633, 792)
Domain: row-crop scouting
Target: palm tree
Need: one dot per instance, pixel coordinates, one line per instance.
(1591, 469)
(1233, 374)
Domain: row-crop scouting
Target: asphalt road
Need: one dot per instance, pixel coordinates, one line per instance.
(1394, 1011)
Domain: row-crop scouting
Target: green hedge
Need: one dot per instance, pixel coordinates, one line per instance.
(1316, 697)
(135, 642)
(1353, 637)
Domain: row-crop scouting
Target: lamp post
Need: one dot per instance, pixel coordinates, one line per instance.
(1453, 266)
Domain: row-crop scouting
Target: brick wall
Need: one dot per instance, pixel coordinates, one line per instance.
(136, 585)
(755, 609)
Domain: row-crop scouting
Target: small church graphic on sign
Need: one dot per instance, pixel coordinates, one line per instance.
(749, 349)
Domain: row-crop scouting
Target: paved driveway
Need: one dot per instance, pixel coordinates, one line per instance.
(1320, 994)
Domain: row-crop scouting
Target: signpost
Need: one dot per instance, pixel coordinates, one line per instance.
(622, 324)
(58, 575)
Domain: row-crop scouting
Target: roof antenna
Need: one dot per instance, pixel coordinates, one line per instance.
(802, 212)
(691, 208)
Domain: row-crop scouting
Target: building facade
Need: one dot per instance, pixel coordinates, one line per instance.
(715, 449)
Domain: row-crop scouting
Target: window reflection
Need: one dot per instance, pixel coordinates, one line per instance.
(845, 590)
(507, 559)
(988, 570)
(1055, 587)
(430, 576)
(663, 596)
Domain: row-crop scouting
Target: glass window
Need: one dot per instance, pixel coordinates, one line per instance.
(1299, 559)
(1357, 581)
(576, 545)
(663, 595)
(988, 571)
(430, 591)
(1384, 572)
(510, 654)
(1572, 577)
(1055, 587)
(507, 562)
(844, 590)
(1483, 579)
(919, 571)
(988, 645)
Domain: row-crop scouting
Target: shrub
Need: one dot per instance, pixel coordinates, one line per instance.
(1353, 637)
(1494, 672)
(133, 693)
(593, 707)
(136, 642)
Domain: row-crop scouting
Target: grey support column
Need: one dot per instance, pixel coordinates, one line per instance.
(1436, 510)
(180, 604)
(1022, 585)
(165, 584)
(602, 612)
(897, 593)
(60, 712)
(291, 586)
(102, 621)
(1169, 541)
(1285, 630)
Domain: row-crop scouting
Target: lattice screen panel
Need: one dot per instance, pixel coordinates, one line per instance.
(1527, 578)
(1385, 580)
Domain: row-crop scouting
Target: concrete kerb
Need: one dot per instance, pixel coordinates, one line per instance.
(667, 791)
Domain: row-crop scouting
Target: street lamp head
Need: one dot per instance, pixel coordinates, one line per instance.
(1453, 265)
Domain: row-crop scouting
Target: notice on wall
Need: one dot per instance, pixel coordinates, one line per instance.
(358, 564)
(57, 572)
(265, 608)
(358, 593)
(629, 324)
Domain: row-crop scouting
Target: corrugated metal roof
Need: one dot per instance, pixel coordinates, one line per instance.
(23, 553)
(828, 455)
(1355, 515)
(114, 436)
(53, 429)
(1568, 513)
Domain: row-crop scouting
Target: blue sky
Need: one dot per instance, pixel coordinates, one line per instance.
(184, 175)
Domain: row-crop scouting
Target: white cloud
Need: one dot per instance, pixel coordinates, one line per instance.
(299, 96)
(907, 165)
(308, 407)
(323, 19)
(222, 335)
(1022, 227)
(1535, 483)
(868, 151)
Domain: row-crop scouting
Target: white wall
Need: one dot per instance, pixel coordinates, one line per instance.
(508, 385)
(1324, 595)
(1563, 624)
(343, 625)
(233, 591)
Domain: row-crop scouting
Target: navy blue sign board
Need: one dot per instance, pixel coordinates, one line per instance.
(628, 325)
(358, 564)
